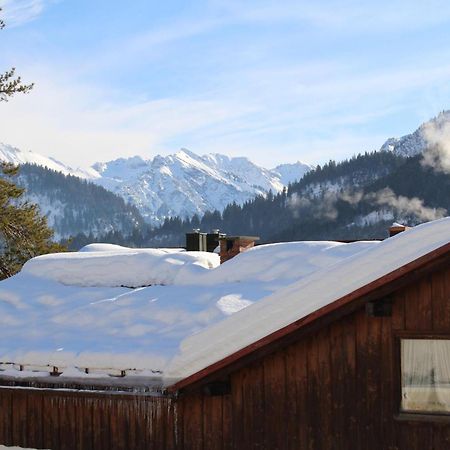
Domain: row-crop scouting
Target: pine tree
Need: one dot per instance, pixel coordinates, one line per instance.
(23, 231)
(9, 83)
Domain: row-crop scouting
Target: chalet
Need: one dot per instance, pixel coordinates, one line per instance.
(329, 346)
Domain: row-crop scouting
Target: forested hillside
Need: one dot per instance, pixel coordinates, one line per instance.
(313, 208)
(72, 204)
(354, 199)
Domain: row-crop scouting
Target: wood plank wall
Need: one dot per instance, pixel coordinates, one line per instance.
(332, 390)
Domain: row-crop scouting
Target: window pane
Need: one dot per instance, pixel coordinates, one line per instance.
(425, 375)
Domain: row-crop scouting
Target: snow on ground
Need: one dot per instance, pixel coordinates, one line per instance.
(68, 310)
(304, 296)
(2, 447)
(15, 448)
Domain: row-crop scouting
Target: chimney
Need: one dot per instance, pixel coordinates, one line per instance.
(196, 241)
(230, 246)
(396, 228)
(212, 240)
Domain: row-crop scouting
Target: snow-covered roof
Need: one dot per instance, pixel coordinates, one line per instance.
(305, 296)
(72, 309)
(180, 311)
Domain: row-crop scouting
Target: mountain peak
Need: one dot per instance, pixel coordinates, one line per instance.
(415, 143)
(17, 156)
(185, 153)
(291, 172)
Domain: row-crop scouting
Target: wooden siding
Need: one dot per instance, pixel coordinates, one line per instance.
(334, 389)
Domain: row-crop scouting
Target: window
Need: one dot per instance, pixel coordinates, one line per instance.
(425, 372)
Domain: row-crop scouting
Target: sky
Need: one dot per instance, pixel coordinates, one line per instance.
(274, 80)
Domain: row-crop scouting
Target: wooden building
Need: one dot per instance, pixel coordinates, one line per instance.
(353, 374)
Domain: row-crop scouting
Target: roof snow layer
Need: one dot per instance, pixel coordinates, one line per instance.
(68, 310)
(114, 266)
(303, 297)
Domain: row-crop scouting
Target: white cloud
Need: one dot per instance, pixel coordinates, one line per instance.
(342, 16)
(79, 125)
(246, 102)
(289, 114)
(18, 12)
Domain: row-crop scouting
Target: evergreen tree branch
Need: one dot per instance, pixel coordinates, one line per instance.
(9, 83)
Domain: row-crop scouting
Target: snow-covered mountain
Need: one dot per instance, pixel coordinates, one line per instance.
(416, 142)
(16, 156)
(182, 184)
(289, 173)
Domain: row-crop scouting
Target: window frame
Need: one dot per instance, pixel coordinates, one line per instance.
(421, 416)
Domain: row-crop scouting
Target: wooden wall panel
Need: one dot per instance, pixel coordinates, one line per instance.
(193, 423)
(237, 407)
(19, 427)
(5, 417)
(419, 306)
(441, 301)
(441, 437)
(387, 385)
(368, 340)
(253, 411)
(343, 368)
(227, 422)
(84, 411)
(66, 406)
(50, 421)
(34, 438)
(296, 385)
(213, 422)
(273, 410)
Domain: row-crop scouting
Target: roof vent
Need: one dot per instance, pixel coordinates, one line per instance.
(397, 228)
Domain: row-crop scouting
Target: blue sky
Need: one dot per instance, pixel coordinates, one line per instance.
(277, 81)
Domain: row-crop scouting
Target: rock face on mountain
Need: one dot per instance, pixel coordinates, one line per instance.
(184, 184)
(416, 142)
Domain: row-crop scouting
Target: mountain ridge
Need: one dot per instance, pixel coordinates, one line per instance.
(180, 184)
